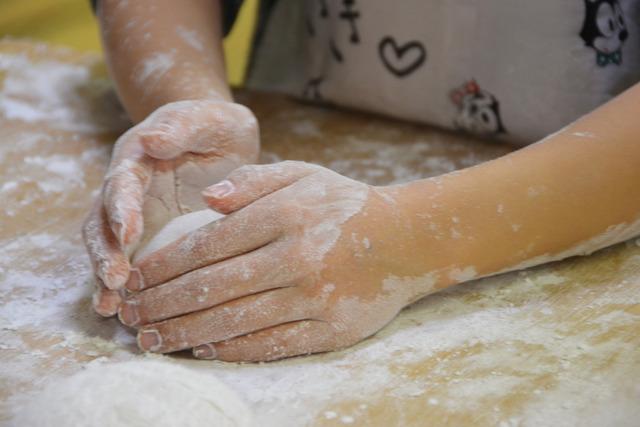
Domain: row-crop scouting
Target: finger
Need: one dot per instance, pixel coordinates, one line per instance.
(258, 271)
(235, 318)
(278, 342)
(249, 183)
(109, 262)
(105, 301)
(124, 191)
(240, 233)
(196, 127)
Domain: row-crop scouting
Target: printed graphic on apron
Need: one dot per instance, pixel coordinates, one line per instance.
(401, 60)
(604, 30)
(478, 110)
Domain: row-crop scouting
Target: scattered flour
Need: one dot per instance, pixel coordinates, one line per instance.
(383, 162)
(154, 67)
(8, 186)
(306, 128)
(464, 274)
(56, 93)
(67, 168)
(584, 134)
(464, 347)
(190, 37)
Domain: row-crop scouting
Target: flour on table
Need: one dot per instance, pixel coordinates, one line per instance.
(175, 229)
(136, 393)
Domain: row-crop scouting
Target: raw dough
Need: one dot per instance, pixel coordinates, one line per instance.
(175, 229)
(136, 393)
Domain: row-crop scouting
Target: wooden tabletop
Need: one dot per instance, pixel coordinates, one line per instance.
(558, 345)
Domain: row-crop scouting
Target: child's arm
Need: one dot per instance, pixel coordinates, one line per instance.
(312, 261)
(573, 193)
(163, 51)
(166, 59)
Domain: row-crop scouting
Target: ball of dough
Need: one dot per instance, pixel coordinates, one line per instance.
(136, 393)
(175, 229)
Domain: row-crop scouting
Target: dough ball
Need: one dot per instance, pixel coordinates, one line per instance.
(175, 229)
(137, 393)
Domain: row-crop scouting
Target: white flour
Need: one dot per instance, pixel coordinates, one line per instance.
(505, 313)
(56, 93)
(154, 67)
(483, 343)
(190, 37)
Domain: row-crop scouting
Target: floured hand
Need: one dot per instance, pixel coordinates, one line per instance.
(298, 266)
(157, 172)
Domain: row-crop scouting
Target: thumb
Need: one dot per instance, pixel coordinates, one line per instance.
(252, 182)
(200, 126)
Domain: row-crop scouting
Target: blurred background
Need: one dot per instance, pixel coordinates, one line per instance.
(71, 23)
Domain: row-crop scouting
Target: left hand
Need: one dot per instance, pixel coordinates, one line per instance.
(157, 171)
(301, 265)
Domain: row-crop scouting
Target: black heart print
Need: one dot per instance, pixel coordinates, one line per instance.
(401, 60)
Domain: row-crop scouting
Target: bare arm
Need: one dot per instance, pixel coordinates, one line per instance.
(163, 51)
(571, 194)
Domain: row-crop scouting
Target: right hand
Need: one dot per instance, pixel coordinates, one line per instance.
(157, 172)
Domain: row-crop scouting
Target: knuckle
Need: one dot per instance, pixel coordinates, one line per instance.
(294, 166)
(245, 122)
(287, 211)
(165, 121)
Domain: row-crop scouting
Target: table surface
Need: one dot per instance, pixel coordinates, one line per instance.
(554, 345)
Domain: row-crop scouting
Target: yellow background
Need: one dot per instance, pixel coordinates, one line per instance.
(71, 23)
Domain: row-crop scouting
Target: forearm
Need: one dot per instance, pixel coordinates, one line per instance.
(163, 51)
(572, 194)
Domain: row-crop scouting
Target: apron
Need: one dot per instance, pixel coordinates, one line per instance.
(515, 70)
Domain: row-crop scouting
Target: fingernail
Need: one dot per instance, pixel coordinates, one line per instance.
(128, 313)
(105, 302)
(112, 279)
(160, 143)
(205, 351)
(219, 190)
(149, 340)
(136, 281)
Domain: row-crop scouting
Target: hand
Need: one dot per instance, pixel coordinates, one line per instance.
(301, 265)
(157, 172)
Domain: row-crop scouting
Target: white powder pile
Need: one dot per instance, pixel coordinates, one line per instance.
(136, 393)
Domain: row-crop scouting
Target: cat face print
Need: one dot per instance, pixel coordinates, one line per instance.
(604, 30)
(478, 110)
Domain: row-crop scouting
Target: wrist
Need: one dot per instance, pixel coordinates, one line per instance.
(418, 257)
(444, 246)
(139, 108)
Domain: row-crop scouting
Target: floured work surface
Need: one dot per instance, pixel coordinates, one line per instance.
(557, 345)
